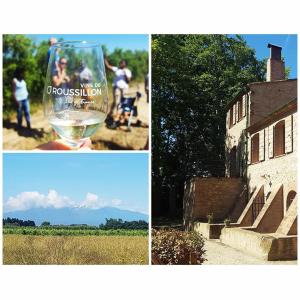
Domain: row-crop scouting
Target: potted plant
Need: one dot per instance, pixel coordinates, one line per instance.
(210, 218)
(227, 222)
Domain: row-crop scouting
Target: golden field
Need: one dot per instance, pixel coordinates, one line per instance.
(74, 250)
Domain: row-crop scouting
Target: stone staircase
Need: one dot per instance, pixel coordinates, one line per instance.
(271, 236)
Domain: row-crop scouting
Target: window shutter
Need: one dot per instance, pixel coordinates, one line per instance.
(270, 141)
(255, 148)
(249, 150)
(279, 138)
(262, 145)
(289, 134)
(234, 114)
(244, 105)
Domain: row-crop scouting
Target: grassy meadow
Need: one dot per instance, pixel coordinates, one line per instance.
(19, 249)
(77, 231)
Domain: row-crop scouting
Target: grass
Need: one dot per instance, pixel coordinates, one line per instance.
(74, 250)
(73, 232)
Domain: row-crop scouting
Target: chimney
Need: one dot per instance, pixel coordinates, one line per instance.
(275, 66)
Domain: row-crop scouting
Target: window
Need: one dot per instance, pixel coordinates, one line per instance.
(255, 148)
(279, 138)
(240, 110)
(231, 117)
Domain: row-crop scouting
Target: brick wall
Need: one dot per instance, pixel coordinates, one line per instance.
(210, 195)
(275, 69)
(268, 97)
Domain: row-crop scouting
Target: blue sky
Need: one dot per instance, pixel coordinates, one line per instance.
(288, 42)
(112, 41)
(93, 181)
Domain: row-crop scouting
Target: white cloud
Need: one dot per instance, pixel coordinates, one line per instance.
(34, 199)
(116, 202)
(27, 200)
(92, 201)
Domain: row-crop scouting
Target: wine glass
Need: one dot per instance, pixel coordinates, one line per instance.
(75, 95)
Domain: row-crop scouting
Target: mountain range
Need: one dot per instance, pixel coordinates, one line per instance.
(73, 215)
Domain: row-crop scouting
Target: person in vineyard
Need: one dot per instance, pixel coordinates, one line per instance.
(20, 95)
(120, 84)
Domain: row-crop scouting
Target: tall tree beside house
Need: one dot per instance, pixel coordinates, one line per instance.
(193, 78)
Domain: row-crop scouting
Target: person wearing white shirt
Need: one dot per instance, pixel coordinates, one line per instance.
(20, 94)
(120, 83)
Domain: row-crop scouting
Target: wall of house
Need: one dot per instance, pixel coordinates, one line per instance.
(268, 97)
(272, 171)
(204, 196)
(235, 137)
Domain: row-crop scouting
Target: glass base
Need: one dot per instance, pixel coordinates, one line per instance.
(73, 144)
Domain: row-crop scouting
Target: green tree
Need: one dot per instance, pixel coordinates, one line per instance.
(17, 53)
(45, 224)
(41, 68)
(193, 78)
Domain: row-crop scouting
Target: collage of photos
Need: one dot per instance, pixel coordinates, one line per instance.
(66, 99)
(137, 149)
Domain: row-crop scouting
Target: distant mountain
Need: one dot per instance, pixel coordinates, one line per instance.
(72, 215)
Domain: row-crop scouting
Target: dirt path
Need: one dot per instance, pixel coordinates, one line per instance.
(220, 254)
(103, 139)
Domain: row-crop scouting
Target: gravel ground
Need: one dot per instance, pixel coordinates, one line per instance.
(220, 254)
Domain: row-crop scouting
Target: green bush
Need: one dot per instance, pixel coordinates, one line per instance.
(173, 247)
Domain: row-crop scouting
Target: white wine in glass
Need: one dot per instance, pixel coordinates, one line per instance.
(75, 95)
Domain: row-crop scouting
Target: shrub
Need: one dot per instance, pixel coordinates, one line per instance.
(173, 247)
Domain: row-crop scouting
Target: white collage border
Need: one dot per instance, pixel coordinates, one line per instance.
(136, 282)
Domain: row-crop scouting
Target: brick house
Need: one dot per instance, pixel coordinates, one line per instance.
(258, 192)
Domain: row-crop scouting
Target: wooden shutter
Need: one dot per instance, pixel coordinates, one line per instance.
(249, 150)
(230, 117)
(279, 140)
(244, 105)
(240, 110)
(262, 145)
(289, 134)
(255, 148)
(234, 114)
(270, 141)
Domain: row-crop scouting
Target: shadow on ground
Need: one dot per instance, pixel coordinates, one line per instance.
(100, 144)
(23, 131)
